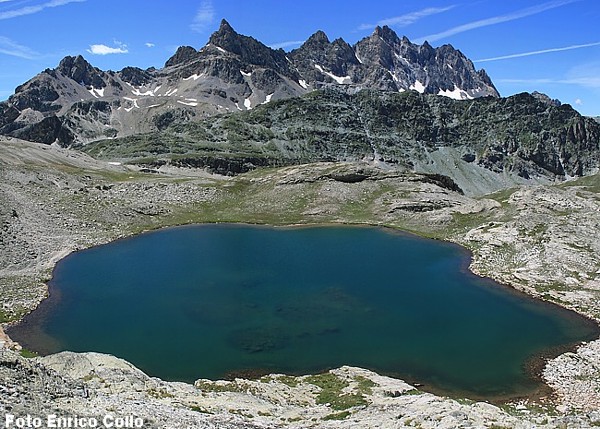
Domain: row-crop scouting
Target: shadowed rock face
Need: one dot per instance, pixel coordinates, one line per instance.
(232, 72)
(82, 72)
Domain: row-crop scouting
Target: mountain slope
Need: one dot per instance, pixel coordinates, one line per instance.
(515, 139)
(79, 103)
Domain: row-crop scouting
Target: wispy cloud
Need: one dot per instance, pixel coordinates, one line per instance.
(586, 81)
(522, 13)
(287, 44)
(543, 51)
(29, 10)
(406, 19)
(107, 50)
(204, 17)
(150, 45)
(12, 48)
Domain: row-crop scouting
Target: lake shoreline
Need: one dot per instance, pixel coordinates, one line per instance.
(535, 371)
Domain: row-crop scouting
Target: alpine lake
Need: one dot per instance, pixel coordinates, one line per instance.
(220, 300)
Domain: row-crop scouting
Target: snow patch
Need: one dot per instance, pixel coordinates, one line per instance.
(186, 103)
(455, 94)
(97, 93)
(114, 163)
(417, 86)
(238, 106)
(221, 49)
(479, 92)
(194, 76)
(461, 94)
(268, 99)
(133, 101)
(152, 105)
(191, 99)
(136, 91)
(342, 80)
(170, 92)
(303, 83)
(248, 104)
(245, 74)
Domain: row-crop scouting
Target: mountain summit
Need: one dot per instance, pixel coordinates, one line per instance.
(79, 103)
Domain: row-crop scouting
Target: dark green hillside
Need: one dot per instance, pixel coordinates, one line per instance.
(518, 134)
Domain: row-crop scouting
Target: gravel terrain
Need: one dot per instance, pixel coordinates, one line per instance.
(539, 239)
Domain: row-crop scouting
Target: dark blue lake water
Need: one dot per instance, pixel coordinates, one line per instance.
(207, 301)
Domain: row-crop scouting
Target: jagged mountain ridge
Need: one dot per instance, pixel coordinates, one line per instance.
(79, 103)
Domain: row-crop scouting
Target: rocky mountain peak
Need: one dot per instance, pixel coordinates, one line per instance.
(250, 51)
(225, 27)
(183, 54)
(227, 38)
(317, 39)
(386, 34)
(82, 72)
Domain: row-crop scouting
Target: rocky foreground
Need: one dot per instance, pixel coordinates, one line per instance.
(542, 240)
(96, 385)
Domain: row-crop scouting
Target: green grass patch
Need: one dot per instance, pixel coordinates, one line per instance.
(209, 386)
(28, 353)
(365, 385)
(337, 416)
(332, 392)
(288, 380)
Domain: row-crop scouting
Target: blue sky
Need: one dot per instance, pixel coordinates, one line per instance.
(552, 46)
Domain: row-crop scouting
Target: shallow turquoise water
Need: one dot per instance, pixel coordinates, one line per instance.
(208, 300)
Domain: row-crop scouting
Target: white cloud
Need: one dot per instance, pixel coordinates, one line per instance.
(522, 13)
(150, 45)
(29, 10)
(543, 51)
(586, 75)
(107, 50)
(579, 102)
(12, 48)
(586, 81)
(287, 44)
(407, 19)
(204, 17)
